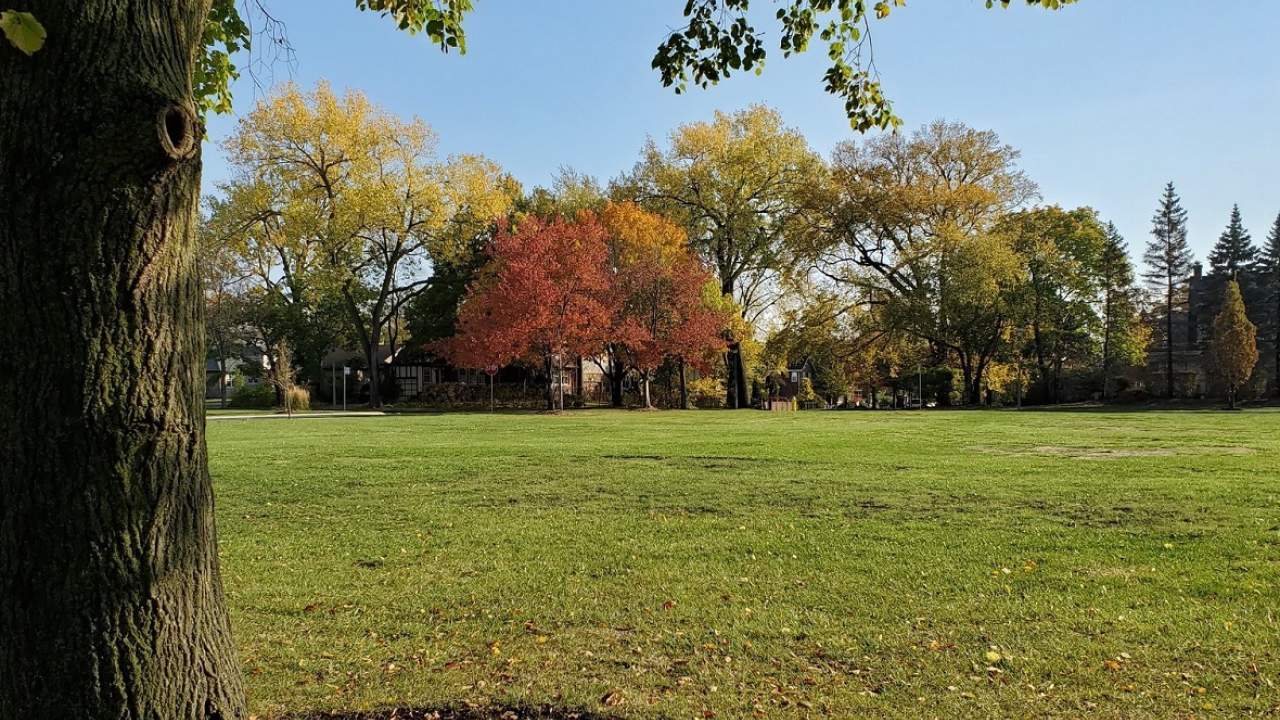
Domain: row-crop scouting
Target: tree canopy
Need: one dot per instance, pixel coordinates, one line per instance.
(719, 38)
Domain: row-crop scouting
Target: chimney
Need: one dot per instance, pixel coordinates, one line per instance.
(1197, 270)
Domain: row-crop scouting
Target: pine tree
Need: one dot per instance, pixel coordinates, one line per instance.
(1234, 251)
(1123, 336)
(1168, 260)
(1235, 342)
(1268, 269)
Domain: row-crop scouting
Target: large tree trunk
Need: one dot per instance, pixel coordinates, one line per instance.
(111, 605)
(736, 387)
(975, 391)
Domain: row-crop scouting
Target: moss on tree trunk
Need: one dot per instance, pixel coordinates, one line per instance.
(111, 605)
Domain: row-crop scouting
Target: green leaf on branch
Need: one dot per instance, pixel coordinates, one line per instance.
(23, 30)
(225, 33)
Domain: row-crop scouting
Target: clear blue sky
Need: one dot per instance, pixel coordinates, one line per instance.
(1107, 100)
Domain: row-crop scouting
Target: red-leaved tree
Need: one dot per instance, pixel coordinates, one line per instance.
(659, 299)
(543, 295)
(676, 318)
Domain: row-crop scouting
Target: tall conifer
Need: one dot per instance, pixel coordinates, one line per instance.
(1234, 250)
(1168, 260)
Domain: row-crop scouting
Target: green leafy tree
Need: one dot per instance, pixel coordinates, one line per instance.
(1061, 251)
(912, 237)
(1235, 342)
(720, 39)
(1234, 250)
(1168, 259)
(1124, 336)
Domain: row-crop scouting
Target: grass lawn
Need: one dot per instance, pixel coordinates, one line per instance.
(737, 564)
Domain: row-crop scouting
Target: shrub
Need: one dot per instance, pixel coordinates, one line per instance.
(257, 397)
(297, 398)
(459, 396)
(706, 392)
(806, 393)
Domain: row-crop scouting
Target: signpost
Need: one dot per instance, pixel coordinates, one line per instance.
(491, 370)
(345, 372)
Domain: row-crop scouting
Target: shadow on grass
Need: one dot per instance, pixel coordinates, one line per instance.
(491, 712)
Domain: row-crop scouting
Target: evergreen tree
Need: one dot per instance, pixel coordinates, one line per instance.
(1235, 342)
(1234, 250)
(1268, 269)
(1123, 335)
(1168, 260)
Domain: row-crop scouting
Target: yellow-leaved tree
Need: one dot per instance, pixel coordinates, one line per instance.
(361, 196)
(735, 184)
(1235, 342)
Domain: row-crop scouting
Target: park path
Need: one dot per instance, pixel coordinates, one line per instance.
(299, 416)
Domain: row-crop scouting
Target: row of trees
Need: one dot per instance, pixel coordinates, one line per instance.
(900, 254)
(1237, 268)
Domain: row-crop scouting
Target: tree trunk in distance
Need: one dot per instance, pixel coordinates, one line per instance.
(112, 604)
(546, 364)
(1168, 350)
(684, 388)
(578, 382)
(371, 357)
(615, 378)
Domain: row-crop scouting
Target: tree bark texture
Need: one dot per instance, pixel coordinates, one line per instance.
(111, 604)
